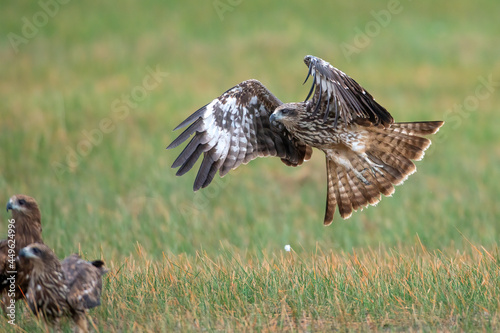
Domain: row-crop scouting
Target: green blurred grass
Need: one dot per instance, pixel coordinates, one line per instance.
(123, 193)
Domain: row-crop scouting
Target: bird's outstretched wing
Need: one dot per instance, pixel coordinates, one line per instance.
(234, 129)
(337, 95)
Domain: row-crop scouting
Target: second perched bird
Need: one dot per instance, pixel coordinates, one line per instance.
(62, 289)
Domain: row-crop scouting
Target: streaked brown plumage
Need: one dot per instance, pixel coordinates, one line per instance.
(82, 276)
(28, 229)
(366, 152)
(66, 288)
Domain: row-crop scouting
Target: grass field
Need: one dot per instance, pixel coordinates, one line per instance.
(90, 93)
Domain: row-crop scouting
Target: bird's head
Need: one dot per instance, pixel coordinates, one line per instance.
(23, 205)
(40, 255)
(288, 114)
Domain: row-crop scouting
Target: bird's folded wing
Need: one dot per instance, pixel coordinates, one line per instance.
(84, 282)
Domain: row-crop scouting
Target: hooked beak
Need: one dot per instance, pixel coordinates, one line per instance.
(9, 206)
(273, 119)
(24, 252)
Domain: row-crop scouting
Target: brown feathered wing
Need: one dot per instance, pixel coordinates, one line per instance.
(84, 281)
(234, 129)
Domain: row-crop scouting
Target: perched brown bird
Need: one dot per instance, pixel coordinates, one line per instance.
(62, 289)
(25, 228)
(366, 152)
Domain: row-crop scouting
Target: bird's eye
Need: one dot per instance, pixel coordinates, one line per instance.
(285, 111)
(36, 251)
(22, 202)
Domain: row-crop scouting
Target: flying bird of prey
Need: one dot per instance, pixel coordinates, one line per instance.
(66, 288)
(26, 229)
(367, 153)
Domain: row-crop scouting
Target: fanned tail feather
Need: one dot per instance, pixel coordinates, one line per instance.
(417, 128)
(357, 179)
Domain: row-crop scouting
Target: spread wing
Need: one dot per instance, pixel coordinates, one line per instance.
(84, 281)
(234, 129)
(336, 95)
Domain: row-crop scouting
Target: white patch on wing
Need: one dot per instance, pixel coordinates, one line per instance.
(214, 140)
(330, 89)
(254, 100)
(262, 112)
(90, 288)
(222, 145)
(241, 140)
(231, 105)
(209, 109)
(211, 129)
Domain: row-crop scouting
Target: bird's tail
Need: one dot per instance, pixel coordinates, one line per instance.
(358, 179)
(99, 264)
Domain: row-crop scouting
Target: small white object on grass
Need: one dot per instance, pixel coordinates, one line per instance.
(288, 248)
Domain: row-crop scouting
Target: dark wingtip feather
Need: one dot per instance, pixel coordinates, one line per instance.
(312, 86)
(191, 118)
(212, 172)
(188, 151)
(327, 111)
(203, 172)
(319, 98)
(190, 160)
(186, 134)
(308, 73)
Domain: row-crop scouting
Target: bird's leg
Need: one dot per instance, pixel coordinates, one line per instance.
(81, 325)
(374, 167)
(360, 176)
